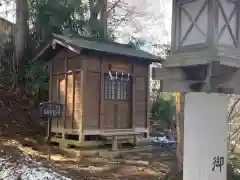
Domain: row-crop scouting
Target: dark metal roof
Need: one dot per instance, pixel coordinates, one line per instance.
(107, 47)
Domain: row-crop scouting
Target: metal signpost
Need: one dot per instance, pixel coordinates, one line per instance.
(51, 110)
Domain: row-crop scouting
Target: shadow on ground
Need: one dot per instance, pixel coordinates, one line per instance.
(122, 167)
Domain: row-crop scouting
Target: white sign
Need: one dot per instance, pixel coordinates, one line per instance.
(205, 136)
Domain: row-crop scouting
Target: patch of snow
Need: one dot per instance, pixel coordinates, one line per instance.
(238, 171)
(32, 171)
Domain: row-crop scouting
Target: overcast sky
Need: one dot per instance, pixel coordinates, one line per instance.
(157, 28)
(160, 27)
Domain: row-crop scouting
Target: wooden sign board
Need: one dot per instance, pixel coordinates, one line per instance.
(51, 109)
(119, 68)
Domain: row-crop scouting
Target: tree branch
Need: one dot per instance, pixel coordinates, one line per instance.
(230, 114)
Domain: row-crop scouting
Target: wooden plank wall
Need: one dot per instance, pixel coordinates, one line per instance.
(91, 101)
(91, 120)
(141, 96)
(77, 81)
(78, 106)
(117, 114)
(99, 114)
(66, 88)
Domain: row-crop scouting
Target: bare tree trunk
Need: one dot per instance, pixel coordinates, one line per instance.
(98, 8)
(21, 33)
(180, 133)
(104, 18)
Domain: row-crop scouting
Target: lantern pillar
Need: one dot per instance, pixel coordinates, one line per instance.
(204, 63)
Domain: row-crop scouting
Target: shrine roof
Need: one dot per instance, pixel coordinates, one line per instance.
(81, 43)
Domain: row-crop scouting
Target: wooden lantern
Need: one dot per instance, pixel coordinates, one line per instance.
(205, 46)
(204, 29)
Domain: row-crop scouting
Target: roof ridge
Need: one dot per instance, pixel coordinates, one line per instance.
(112, 48)
(99, 40)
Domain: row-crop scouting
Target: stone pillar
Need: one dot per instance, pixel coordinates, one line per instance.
(205, 136)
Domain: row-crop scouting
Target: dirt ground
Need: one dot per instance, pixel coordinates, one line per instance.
(145, 164)
(21, 133)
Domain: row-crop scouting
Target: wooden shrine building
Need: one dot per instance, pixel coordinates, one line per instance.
(104, 86)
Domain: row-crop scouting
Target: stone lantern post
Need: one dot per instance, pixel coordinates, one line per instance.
(204, 62)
